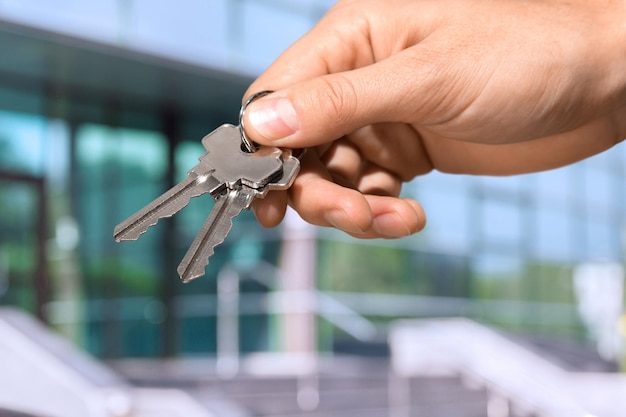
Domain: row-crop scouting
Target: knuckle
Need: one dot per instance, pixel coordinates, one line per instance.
(337, 99)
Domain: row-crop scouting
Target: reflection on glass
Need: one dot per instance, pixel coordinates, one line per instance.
(448, 224)
(266, 33)
(18, 243)
(119, 171)
(552, 235)
(502, 222)
(22, 142)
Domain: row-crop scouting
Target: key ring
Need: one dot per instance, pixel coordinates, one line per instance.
(247, 143)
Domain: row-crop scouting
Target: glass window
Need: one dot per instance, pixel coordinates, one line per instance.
(496, 276)
(604, 161)
(553, 185)
(18, 243)
(502, 222)
(92, 19)
(22, 142)
(598, 188)
(194, 30)
(552, 237)
(120, 170)
(56, 154)
(604, 240)
(266, 33)
(19, 101)
(448, 219)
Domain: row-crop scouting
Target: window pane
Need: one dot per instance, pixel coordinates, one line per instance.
(194, 30)
(22, 142)
(266, 33)
(18, 243)
(119, 171)
(502, 222)
(553, 234)
(448, 225)
(94, 19)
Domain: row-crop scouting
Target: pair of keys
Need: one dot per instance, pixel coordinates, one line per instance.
(235, 172)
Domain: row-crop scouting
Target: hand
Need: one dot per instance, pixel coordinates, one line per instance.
(385, 91)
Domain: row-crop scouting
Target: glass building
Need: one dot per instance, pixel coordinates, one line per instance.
(102, 108)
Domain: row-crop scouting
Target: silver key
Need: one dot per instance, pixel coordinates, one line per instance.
(220, 221)
(212, 175)
(232, 176)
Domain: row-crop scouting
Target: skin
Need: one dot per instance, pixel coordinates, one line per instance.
(383, 91)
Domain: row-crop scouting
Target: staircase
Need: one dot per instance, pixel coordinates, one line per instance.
(347, 387)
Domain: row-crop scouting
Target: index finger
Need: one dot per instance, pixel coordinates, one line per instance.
(327, 48)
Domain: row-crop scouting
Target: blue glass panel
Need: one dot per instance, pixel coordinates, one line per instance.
(22, 146)
(448, 223)
(552, 237)
(266, 33)
(193, 30)
(90, 19)
(502, 222)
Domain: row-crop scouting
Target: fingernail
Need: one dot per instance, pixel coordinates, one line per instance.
(274, 118)
(390, 224)
(340, 220)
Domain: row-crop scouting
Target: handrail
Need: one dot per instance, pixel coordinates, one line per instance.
(228, 354)
(504, 368)
(314, 301)
(361, 304)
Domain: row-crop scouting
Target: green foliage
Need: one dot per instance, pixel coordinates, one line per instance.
(21, 258)
(535, 281)
(128, 279)
(355, 267)
(358, 267)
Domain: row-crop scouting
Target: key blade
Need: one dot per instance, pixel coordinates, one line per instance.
(166, 205)
(214, 231)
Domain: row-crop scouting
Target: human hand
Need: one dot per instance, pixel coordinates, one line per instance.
(385, 91)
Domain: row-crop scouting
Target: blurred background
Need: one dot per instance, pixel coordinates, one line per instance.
(102, 108)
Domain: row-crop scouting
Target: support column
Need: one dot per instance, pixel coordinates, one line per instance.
(298, 329)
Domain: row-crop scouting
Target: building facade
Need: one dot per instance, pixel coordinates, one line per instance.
(102, 108)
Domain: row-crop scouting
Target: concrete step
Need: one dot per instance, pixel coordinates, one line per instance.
(347, 388)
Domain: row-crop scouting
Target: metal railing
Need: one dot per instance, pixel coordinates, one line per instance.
(514, 377)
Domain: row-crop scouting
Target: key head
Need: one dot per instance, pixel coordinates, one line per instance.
(233, 166)
(291, 167)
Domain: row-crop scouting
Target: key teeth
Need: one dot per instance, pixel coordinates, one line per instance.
(195, 270)
(121, 235)
(140, 222)
(213, 233)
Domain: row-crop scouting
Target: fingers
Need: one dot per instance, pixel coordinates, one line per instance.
(337, 43)
(376, 181)
(396, 147)
(270, 210)
(325, 108)
(364, 216)
(321, 201)
(393, 218)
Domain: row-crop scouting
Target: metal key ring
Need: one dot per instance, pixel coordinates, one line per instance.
(247, 143)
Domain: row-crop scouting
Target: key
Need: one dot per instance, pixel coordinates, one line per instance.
(212, 175)
(232, 176)
(168, 204)
(220, 221)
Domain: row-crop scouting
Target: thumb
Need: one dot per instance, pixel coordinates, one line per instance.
(324, 108)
